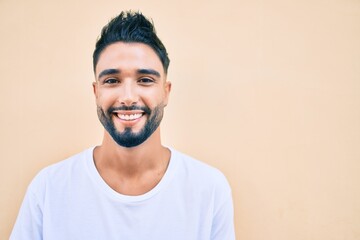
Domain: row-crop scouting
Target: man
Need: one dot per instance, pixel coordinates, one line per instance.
(130, 187)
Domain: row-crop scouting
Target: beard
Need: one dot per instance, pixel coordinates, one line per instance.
(127, 138)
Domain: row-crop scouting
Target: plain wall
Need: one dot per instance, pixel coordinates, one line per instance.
(266, 91)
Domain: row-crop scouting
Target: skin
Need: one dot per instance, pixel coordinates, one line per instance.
(131, 74)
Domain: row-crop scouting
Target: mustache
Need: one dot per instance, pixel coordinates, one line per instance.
(145, 109)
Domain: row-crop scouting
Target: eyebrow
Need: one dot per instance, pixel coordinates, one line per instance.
(108, 72)
(149, 71)
(139, 71)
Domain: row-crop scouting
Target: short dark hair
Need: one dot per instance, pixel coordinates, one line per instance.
(129, 27)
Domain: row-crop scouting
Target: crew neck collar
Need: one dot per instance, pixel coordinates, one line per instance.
(106, 189)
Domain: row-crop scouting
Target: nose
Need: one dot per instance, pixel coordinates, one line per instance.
(128, 95)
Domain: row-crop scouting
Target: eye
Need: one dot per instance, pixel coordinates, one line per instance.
(146, 81)
(111, 81)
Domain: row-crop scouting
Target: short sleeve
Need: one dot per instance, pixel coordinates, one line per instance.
(29, 221)
(223, 220)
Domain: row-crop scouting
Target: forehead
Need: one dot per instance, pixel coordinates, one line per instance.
(128, 57)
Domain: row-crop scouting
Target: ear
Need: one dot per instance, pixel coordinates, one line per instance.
(95, 89)
(167, 89)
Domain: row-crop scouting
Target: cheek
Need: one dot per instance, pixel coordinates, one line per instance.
(154, 97)
(106, 98)
(152, 102)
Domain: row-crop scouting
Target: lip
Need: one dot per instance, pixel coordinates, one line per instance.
(127, 112)
(129, 118)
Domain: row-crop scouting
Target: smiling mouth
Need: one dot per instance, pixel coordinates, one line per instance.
(129, 117)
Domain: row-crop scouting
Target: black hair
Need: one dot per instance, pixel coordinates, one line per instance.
(130, 27)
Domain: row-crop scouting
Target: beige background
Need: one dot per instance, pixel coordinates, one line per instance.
(266, 91)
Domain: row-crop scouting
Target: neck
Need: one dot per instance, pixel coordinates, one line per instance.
(132, 171)
(132, 161)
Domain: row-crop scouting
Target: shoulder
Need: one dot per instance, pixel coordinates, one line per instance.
(200, 173)
(194, 165)
(59, 172)
(71, 162)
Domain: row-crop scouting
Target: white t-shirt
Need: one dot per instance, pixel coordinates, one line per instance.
(69, 200)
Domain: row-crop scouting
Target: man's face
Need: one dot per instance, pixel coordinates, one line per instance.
(131, 92)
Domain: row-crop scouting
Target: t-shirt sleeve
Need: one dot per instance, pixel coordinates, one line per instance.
(223, 219)
(28, 224)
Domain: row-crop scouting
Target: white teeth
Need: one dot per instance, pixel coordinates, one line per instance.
(129, 117)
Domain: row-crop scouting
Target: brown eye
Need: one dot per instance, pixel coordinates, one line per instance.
(111, 81)
(146, 81)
